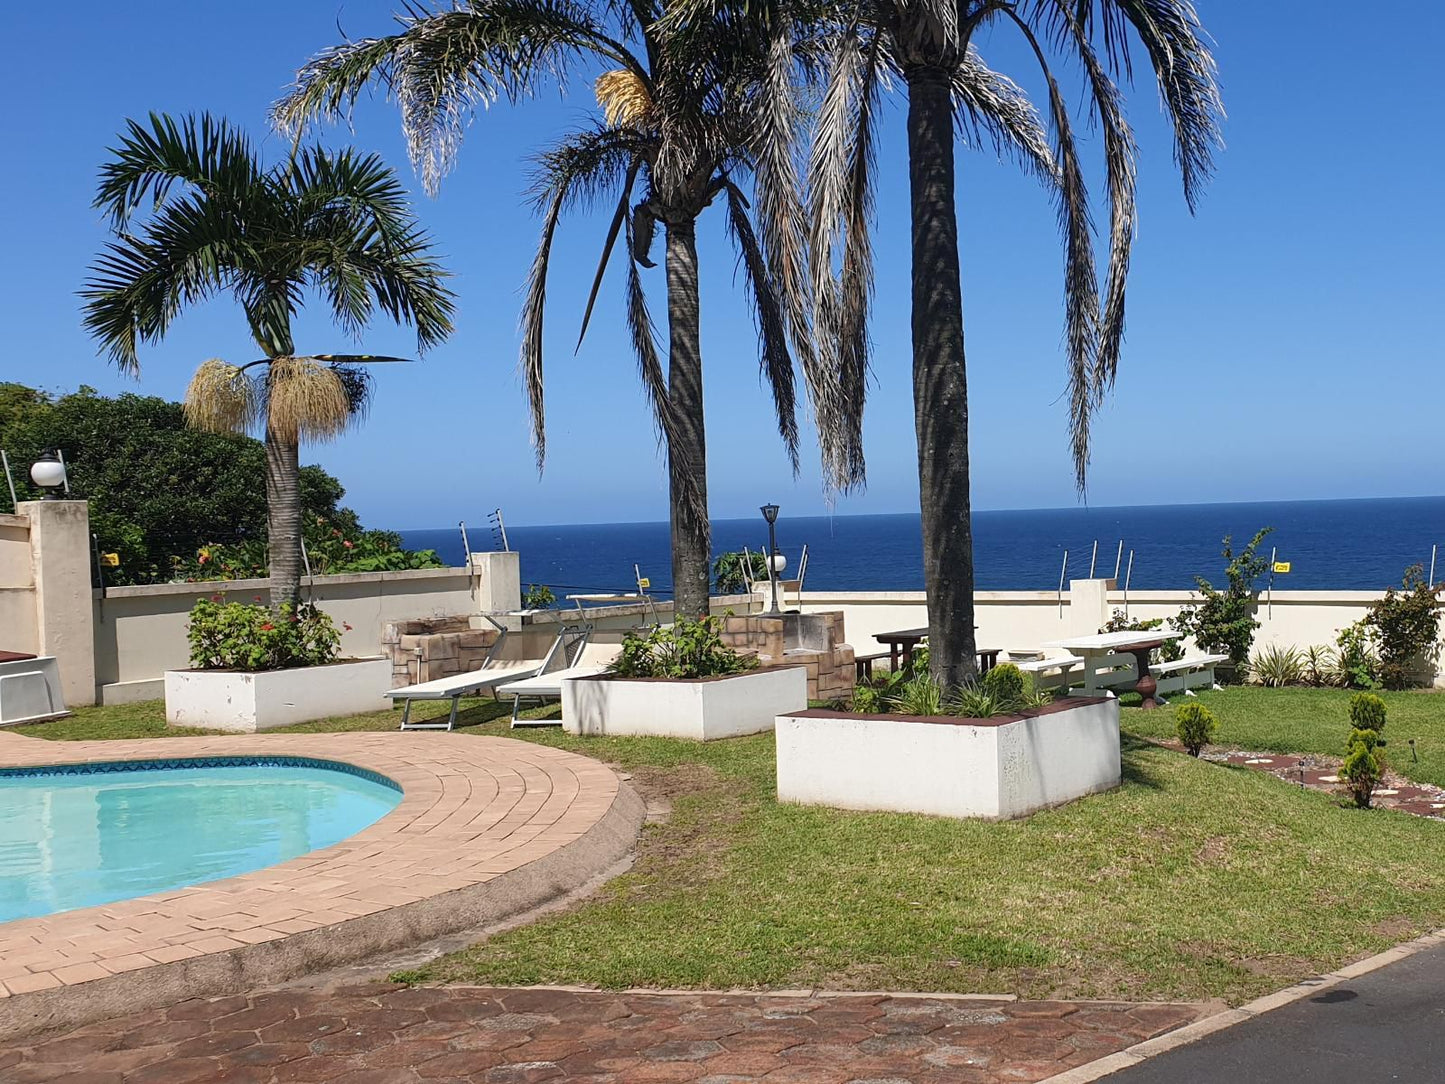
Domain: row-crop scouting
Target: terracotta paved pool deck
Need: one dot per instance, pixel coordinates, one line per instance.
(486, 828)
(379, 1033)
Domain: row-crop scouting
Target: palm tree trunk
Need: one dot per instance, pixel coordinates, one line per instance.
(940, 380)
(687, 452)
(283, 518)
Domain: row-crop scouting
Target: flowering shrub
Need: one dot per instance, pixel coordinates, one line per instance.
(329, 548)
(237, 636)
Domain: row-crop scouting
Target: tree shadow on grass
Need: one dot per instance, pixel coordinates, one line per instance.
(1136, 771)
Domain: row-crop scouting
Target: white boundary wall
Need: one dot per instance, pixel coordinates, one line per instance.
(1029, 619)
(140, 632)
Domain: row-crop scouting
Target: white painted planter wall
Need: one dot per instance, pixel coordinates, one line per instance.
(232, 700)
(995, 769)
(701, 710)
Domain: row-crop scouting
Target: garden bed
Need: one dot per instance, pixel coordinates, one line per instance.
(237, 700)
(997, 768)
(701, 709)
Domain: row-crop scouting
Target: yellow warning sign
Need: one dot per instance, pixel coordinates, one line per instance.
(1281, 566)
(110, 560)
(643, 583)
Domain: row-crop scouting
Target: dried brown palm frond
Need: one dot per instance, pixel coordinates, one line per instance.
(624, 98)
(221, 398)
(306, 400)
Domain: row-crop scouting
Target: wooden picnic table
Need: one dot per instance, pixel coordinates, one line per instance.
(1099, 647)
(901, 644)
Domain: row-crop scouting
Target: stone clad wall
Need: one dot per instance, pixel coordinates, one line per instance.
(830, 666)
(430, 648)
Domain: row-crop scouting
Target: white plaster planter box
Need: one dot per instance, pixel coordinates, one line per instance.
(235, 700)
(996, 768)
(701, 709)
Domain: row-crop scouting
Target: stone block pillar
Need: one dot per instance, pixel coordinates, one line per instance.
(1088, 606)
(497, 582)
(65, 617)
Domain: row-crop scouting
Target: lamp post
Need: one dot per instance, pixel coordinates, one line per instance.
(770, 513)
(48, 472)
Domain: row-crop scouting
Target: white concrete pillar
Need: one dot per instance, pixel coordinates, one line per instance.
(497, 582)
(1088, 610)
(60, 553)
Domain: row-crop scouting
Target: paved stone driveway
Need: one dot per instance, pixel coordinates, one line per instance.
(377, 1033)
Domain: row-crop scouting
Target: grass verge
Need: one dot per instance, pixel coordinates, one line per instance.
(1192, 880)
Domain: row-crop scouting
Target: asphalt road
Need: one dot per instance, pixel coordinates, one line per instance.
(1387, 1025)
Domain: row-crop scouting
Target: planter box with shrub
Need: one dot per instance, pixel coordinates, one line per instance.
(236, 700)
(682, 682)
(253, 668)
(698, 708)
(996, 768)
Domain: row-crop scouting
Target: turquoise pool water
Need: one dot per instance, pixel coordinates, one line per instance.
(81, 835)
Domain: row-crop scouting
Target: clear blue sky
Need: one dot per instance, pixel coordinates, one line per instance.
(1285, 343)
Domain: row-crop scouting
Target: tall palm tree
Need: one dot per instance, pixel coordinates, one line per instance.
(928, 46)
(216, 222)
(687, 114)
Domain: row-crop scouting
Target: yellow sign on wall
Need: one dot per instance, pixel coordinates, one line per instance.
(110, 560)
(1281, 566)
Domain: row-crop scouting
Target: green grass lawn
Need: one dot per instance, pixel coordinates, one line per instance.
(1192, 880)
(1315, 721)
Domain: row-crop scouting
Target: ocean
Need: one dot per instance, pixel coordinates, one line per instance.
(1354, 544)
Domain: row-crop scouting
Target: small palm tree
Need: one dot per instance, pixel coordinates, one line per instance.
(216, 222)
(929, 47)
(687, 112)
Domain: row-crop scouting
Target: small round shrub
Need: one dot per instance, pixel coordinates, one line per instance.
(1005, 683)
(1195, 725)
(1363, 766)
(1367, 712)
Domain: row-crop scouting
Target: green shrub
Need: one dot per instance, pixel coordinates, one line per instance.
(1319, 665)
(238, 636)
(1005, 683)
(1364, 763)
(976, 702)
(1367, 712)
(1277, 666)
(919, 695)
(1407, 628)
(538, 596)
(868, 699)
(686, 649)
(1195, 726)
(731, 568)
(1357, 665)
(1224, 621)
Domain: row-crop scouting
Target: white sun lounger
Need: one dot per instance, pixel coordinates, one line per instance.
(488, 677)
(540, 688)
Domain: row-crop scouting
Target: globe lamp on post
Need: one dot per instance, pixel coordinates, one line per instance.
(48, 472)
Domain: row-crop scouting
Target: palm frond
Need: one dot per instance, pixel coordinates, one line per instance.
(1081, 289)
(202, 152)
(991, 106)
(445, 65)
(621, 212)
(534, 310)
(776, 362)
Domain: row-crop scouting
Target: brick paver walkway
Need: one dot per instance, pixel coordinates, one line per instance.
(378, 1033)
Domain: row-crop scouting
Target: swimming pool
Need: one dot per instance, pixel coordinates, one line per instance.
(86, 834)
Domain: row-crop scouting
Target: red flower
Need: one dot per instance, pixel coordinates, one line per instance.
(347, 543)
(267, 626)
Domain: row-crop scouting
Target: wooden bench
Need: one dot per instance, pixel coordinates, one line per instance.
(1055, 673)
(864, 664)
(1186, 674)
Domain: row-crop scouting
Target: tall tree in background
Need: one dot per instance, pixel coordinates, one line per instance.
(689, 110)
(216, 222)
(928, 46)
